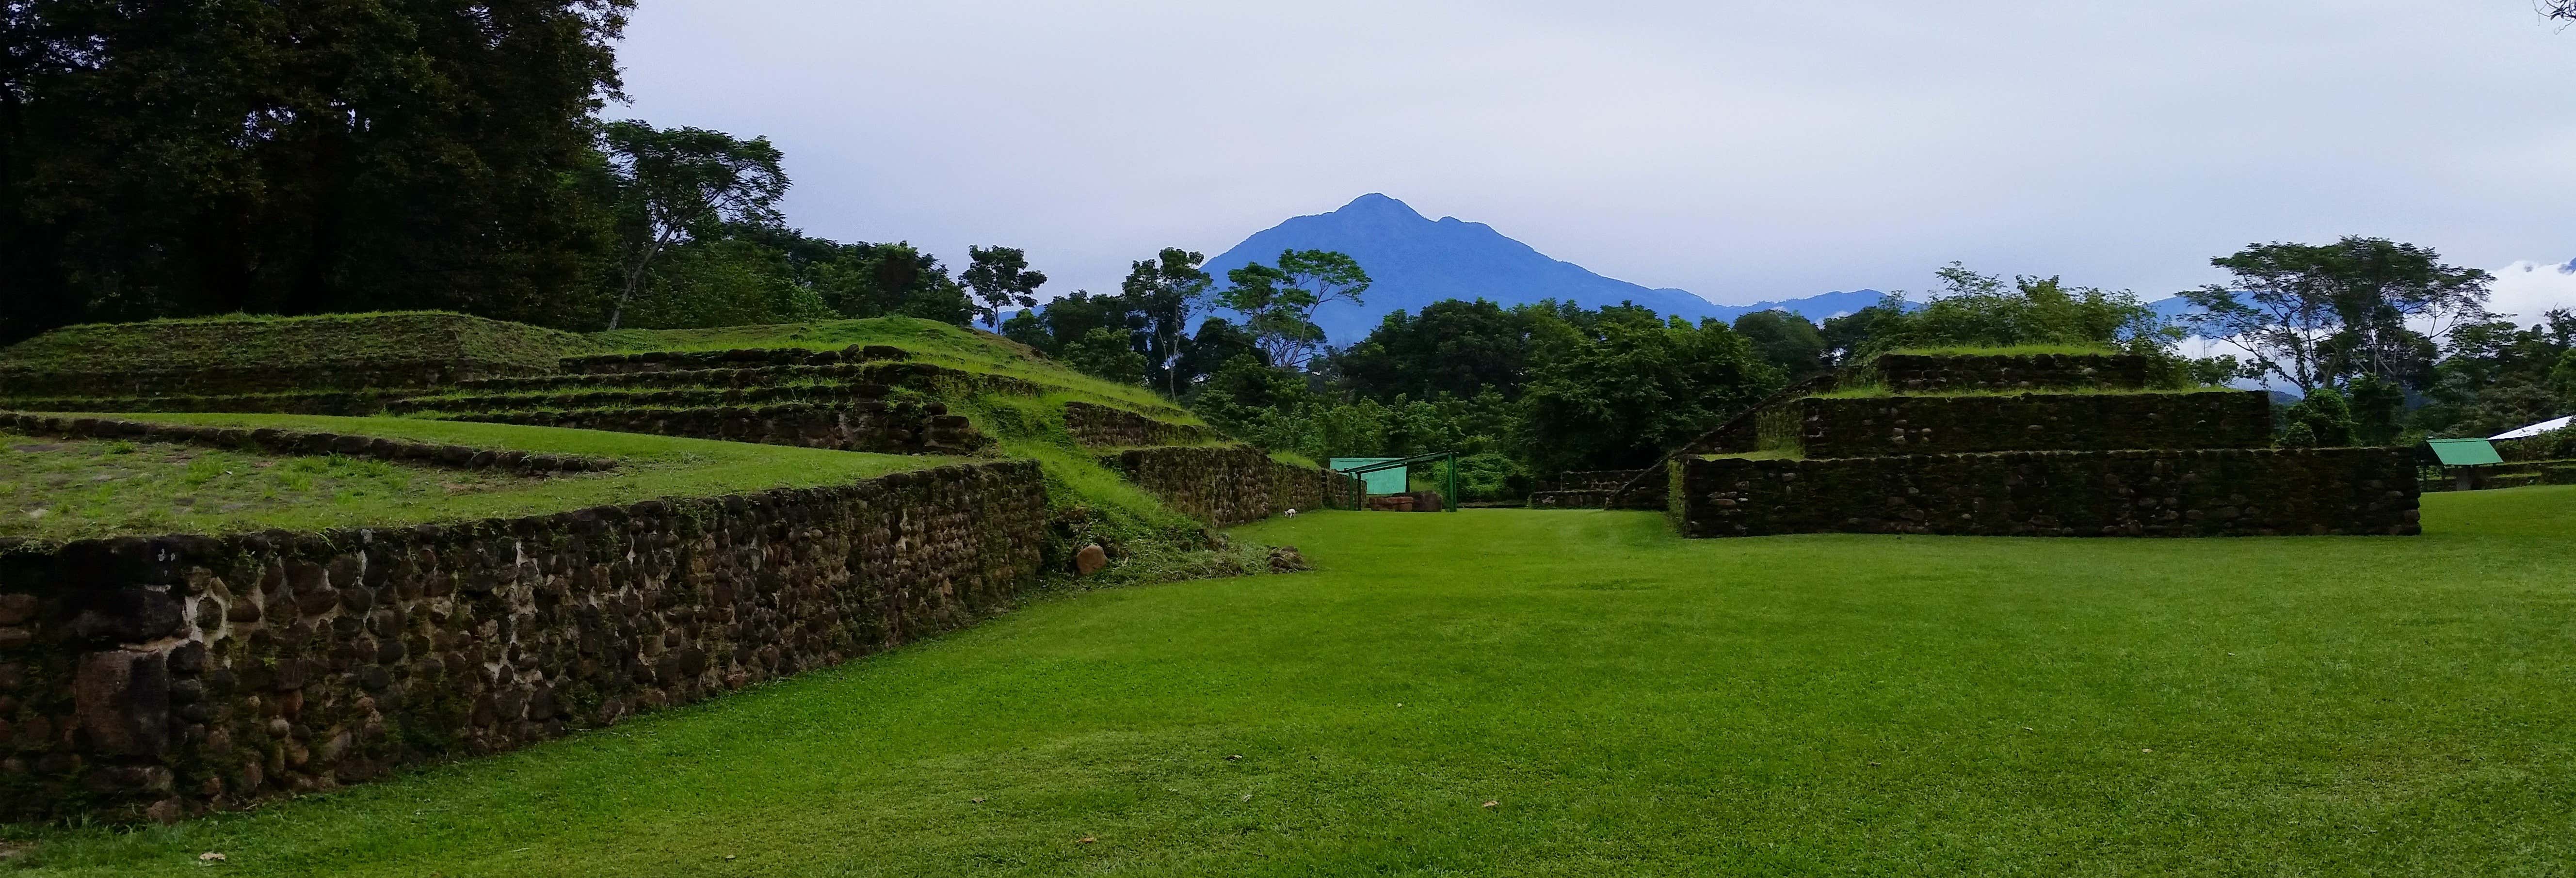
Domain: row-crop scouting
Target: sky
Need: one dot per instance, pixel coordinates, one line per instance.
(1743, 151)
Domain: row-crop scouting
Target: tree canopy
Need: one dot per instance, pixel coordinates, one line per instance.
(210, 156)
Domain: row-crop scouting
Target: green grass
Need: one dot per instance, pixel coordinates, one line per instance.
(649, 467)
(1631, 704)
(57, 489)
(928, 340)
(320, 341)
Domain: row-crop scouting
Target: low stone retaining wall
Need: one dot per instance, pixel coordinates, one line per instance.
(1884, 425)
(2219, 492)
(1584, 499)
(864, 425)
(1104, 426)
(1231, 484)
(159, 677)
(1934, 373)
(275, 441)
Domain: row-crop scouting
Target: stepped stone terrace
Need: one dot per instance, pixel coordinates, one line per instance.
(2031, 445)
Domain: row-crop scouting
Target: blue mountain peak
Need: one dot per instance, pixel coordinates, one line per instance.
(1414, 261)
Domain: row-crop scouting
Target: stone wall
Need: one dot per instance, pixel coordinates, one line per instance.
(1935, 373)
(1881, 425)
(862, 425)
(1228, 485)
(1107, 427)
(1582, 489)
(2220, 492)
(738, 358)
(161, 676)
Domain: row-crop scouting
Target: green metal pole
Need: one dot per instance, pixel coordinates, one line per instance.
(1452, 488)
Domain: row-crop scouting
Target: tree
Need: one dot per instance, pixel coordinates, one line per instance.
(1618, 396)
(685, 183)
(2559, 10)
(1104, 353)
(1165, 290)
(1972, 309)
(890, 279)
(1452, 347)
(2315, 315)
(1001, 278)
(1785, 340)
(1279, 303)
(191, 157)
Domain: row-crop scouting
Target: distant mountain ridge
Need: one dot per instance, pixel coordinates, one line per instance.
(1414, 261)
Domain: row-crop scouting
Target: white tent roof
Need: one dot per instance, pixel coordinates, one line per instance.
(2536, 429)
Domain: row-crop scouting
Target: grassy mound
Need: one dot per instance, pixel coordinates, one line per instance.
(927, 340)
(1581, 693)
(314, 344)
(86, 489)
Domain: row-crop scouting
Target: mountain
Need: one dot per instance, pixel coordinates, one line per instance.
(1414, 261)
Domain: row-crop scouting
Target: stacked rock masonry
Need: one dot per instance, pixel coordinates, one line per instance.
(1232, 484)
(157, 677)
(2042, 445)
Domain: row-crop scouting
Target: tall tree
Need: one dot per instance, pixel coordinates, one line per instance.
(685, 183)
(1166, 289)
(2316, 315)
(204, 156)
(1001, 278)
(1278, 303)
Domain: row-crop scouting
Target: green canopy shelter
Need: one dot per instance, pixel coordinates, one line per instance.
(2461, 459)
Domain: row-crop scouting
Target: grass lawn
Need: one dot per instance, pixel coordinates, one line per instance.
(1536, 692)
(89, 489)
(72, 488)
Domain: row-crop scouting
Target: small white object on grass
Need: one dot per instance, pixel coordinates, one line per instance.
(1292, 512)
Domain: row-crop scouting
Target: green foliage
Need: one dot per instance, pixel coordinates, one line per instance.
(2316, 315)
(1618, 397)
(1981, 311)
(1786, 341)
(685, 184)
(721, 282)
(2323, 419)
(2495, 376)
(1164, 291)
(219, 156)
(1104, 353)
(1000, 278)
(1488, 476)
(1452, 347)
(2345, 706)
(1278, 303)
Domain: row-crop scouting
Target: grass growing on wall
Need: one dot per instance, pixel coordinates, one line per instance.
(928, 340)
(244, 342)
(649, 467)
(1581, 693)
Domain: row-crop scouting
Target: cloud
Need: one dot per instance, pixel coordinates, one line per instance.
(2525, 290)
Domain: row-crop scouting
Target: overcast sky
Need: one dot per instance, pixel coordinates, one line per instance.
(1740, 150)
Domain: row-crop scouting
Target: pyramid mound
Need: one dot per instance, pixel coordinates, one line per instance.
(2026, 445)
